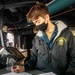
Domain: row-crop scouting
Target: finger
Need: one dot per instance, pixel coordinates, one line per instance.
(15, 70)
(12, 70)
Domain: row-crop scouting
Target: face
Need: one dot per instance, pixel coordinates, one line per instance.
(38, 21)
(41, 23)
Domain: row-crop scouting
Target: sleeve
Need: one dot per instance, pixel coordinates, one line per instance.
(71, 56)
(31, 63)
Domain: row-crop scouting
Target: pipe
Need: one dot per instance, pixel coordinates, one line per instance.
(59, 5)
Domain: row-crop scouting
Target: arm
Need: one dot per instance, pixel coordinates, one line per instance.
(31, 63)
(71, 56)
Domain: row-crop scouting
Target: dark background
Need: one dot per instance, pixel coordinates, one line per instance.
(13, 14)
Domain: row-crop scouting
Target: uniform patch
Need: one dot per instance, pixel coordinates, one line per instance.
(61, 40)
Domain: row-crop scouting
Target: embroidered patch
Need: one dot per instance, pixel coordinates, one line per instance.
(61, 40)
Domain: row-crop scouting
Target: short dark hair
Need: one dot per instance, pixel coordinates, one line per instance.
(36, 11)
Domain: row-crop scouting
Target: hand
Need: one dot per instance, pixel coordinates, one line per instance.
(17, 68)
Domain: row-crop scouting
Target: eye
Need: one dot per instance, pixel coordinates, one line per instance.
(37, 21)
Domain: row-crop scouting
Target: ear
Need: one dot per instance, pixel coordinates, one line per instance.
(47, 18)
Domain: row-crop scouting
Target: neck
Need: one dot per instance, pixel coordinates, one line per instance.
(50, 27)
